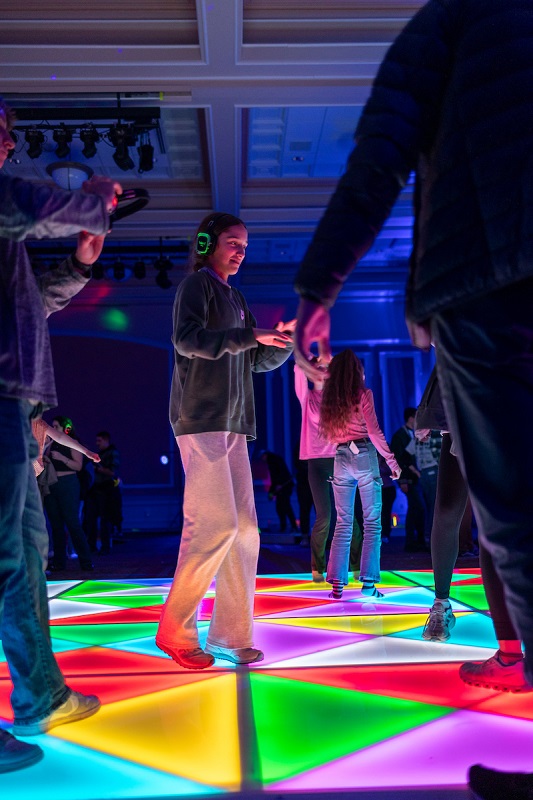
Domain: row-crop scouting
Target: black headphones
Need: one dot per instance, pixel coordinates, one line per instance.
(206, 241)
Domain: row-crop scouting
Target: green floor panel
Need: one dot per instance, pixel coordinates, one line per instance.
(473, 596)
(396, 579)
(302, 725)
(104, 634)
(125, 601)
(94, 587)
(418, 578)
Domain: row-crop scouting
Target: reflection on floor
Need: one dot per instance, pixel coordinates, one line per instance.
(348, 698)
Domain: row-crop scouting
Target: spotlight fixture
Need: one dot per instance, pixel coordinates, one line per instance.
(89, 136)
(35, 139)
(162, 265)
(162, 280)
(97, 271)
(146, 153)
(122, 137)
(63, 137)
(139, 269)
(119, 270)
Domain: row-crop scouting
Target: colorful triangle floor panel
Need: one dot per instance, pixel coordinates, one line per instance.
(349, 697)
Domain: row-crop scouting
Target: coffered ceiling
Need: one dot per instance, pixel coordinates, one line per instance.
(258, 101)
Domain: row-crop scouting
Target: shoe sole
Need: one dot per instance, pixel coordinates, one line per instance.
(39, 727)
(174, 656)
(29, 761)
(436, 638)
(228, 657)
(497, 686)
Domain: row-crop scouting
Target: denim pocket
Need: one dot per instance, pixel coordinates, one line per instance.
(362, 460)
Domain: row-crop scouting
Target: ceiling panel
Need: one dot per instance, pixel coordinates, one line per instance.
(258, 102)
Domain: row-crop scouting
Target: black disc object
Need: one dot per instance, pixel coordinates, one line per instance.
(129, 202)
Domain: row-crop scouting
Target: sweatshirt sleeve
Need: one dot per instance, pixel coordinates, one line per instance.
(372, 425)
(58, 286)
(265, 357)
(192, 338)
(45, 210)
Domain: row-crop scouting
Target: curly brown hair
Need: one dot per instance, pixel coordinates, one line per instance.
(341, 395)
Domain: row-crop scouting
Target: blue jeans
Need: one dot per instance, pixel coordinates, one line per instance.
(354, 470)
(38, 685)
(485, 369)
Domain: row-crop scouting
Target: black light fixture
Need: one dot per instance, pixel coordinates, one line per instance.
(146, 153)
(89, 136)
(35, 139)
(139, 269)
(97, 271)
(162, 265)
(162, 280)
(119, 270)
(122, 137)
(63, 137)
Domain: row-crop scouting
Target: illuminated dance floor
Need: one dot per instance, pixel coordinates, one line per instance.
(349, 698)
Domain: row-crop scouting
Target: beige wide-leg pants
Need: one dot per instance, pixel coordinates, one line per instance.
(220, 538)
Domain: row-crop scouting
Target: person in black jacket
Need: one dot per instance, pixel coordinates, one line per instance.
(403, 447)
(281, 487)
(453, 102)
(217, 345)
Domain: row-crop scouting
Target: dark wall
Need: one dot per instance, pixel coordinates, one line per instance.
(113, 360)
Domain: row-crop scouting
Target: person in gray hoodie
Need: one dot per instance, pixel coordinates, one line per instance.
(40, 698)
(217, 346)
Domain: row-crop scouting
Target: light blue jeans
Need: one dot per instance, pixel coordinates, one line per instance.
(350, 471)
(38, 685)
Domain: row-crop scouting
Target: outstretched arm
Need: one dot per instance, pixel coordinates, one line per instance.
(61, 438)
(312, 325)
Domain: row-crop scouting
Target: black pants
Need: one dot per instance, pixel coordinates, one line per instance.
(485, 369)
(284, 508)
(320, 474)
(101, 504)
(414, 518)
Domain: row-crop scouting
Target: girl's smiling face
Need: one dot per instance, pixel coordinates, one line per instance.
(229, 251)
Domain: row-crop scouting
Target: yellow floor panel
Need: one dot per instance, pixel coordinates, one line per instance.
(191, 731)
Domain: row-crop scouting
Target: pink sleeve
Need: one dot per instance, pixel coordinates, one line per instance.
(372, 425)
(301, 387)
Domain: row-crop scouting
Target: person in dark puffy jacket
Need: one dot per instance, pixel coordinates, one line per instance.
(453, 102)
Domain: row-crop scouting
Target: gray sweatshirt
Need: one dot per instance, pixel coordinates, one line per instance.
(215, 352)
(26, 370)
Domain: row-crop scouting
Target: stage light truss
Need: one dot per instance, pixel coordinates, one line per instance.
(121, 128)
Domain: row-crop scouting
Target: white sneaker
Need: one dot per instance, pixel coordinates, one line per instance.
(439, 623)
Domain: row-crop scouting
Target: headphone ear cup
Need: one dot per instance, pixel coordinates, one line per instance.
(204, 244)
